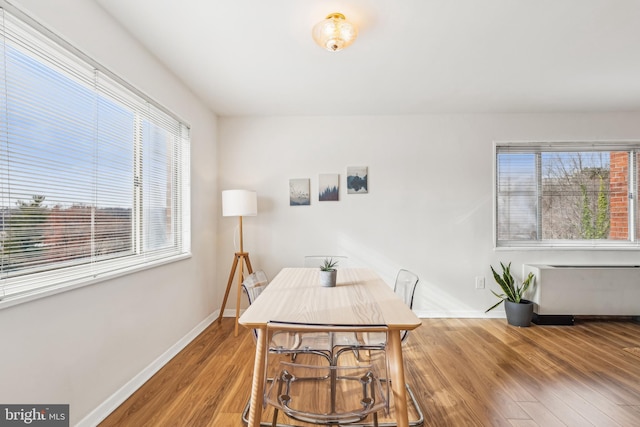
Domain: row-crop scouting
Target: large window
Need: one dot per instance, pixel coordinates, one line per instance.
(93, 175)
(567, 195)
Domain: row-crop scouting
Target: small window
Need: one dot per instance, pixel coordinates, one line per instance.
(94, 176)
(566, 195)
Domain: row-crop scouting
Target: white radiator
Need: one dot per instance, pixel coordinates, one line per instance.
(600, 290)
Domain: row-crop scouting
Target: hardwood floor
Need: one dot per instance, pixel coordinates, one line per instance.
(464, 372)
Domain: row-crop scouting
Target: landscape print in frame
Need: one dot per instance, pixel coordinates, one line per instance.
(357, 180)
(299, 192)
(328, 187)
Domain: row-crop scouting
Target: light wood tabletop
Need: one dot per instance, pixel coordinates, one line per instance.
(360, 297)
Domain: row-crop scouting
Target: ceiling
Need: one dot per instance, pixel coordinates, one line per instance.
(257, 57)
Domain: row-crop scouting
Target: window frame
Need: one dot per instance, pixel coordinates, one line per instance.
(36, 283)
(531, 147)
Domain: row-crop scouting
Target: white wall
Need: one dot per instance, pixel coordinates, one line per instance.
(430, 203)
(81, 346)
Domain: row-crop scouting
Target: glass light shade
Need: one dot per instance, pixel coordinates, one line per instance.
(334, 33)
(239, 203)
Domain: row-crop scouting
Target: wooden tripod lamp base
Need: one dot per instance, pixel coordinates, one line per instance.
(240, 259)
(238, 203)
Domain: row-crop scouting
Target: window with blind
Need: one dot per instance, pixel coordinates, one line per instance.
(94, 176)
(581, 195)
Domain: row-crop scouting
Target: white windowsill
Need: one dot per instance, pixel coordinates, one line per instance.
(11, 301)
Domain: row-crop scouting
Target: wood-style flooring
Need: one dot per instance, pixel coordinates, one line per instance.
(464, 372)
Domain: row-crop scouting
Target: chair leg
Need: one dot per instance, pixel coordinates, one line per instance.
(375, 414)
(333, 380)
(274, 422)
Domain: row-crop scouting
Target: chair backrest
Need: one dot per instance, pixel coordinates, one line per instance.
(276, 326)
(318, 260)
(405, 286)
(254, 284)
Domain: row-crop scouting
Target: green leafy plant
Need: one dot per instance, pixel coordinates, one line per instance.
(511, 291)
(329, 264)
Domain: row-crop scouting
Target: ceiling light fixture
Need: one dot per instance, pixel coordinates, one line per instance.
(334, 33)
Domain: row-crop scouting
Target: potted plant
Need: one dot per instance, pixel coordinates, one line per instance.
(328, 273)
(519, 310)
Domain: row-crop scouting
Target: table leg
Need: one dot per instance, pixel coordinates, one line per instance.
(239, 293)
(396, 368)
(257, 386)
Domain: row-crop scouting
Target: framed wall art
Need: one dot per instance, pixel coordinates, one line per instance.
(328, 187)
(357, 179)
(299, 192)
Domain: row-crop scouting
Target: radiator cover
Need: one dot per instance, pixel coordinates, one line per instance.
(589, 290)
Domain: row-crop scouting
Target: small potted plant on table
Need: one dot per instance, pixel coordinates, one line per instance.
(519, 310)
(328, 273)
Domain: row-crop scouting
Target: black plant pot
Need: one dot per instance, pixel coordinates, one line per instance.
(519, 314)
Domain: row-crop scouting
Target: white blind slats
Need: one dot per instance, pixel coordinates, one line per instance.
(566, 195)
(92, 178)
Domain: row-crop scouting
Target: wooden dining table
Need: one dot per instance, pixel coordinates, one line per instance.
(360, 297)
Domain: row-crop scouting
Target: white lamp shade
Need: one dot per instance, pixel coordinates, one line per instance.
(239, 203)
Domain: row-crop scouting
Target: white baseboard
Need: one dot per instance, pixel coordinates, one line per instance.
(116, 399)
(231, 312)
(498, 314)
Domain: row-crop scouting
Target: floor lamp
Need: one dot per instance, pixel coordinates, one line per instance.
(238, 203)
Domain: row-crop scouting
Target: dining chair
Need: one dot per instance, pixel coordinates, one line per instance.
(254, 284)
(405, 288)
(318, 260)
(321, 394)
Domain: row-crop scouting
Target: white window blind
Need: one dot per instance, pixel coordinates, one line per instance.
(573, 195)
(94, 176)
